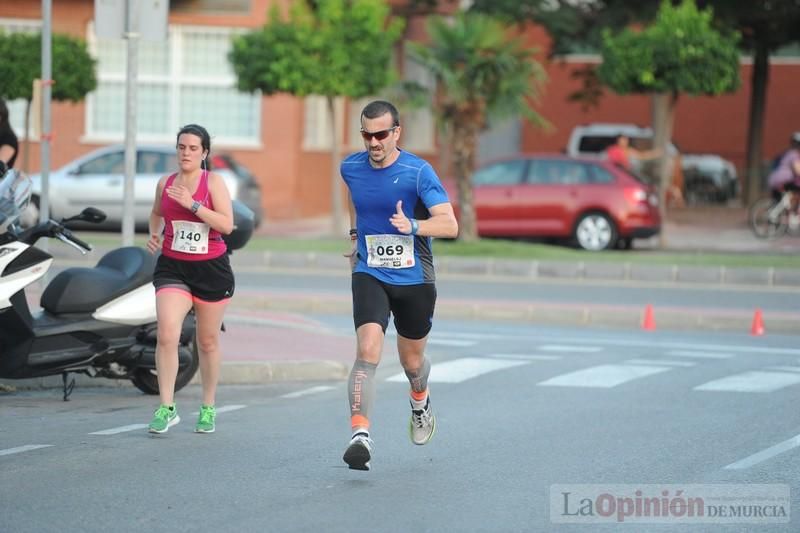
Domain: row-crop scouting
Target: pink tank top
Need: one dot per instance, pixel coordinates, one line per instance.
(172, 210)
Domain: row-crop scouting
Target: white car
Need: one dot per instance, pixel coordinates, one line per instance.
(97, 179)
(706, 176)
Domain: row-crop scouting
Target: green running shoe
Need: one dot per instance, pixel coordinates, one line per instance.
(165, 417)
(205, 422)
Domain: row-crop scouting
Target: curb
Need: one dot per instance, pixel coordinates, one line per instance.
(521, 269)
(231, 373)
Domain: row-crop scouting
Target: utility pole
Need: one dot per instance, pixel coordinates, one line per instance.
(131, 35)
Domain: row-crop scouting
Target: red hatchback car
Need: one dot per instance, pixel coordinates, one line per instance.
(593, 202)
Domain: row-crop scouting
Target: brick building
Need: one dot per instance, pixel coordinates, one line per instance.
(285, 140)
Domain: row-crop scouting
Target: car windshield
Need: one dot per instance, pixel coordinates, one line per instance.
(15, 193)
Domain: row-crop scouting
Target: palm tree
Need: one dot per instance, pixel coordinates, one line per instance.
(481, 72)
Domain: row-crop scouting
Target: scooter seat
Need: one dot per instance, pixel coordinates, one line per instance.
(82, 290)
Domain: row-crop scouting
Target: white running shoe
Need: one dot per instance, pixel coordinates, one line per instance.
(422, 424)
(358, 452)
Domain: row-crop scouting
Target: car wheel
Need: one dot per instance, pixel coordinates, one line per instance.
(595, 231)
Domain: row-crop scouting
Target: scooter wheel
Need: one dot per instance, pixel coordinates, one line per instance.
(146, 380)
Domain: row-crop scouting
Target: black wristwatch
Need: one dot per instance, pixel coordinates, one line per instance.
(195, 206)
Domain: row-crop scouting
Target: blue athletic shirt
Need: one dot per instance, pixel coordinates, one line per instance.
(375, 192)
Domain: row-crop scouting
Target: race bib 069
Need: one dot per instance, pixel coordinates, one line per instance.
(390, 251)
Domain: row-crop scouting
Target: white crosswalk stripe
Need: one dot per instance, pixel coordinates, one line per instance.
(752, 381)
(660, 362)
(604, 376)
(698, 354)
(451, 342)
(525, 357)
(570, 348)
(459, 370)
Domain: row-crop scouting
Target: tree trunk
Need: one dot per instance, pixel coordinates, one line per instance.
(753, 182)
(338, 224)
(663, 118)
(464, 143)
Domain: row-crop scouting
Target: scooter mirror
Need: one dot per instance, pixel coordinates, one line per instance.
(90, 214)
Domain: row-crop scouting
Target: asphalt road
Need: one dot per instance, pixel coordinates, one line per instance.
(548, 291)
(520, 412)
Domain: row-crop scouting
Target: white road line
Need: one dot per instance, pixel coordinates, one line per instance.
(752, 381)
(699, 355)
(564, 348)
(603, 376)
(459, 370)
(121, 429)
(524, 357)
(26, 448)
(785, 368)
(306, 392)
(763, 455)
(651, 344)
(658, 362)
(451, 342)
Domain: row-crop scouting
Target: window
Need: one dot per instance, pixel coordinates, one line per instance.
(503, 173)
(16, 108)
(555, 171)
(113, 163)
(185, 80)
(596, 143)
(600, 175)
(543, 172)
(149, 162)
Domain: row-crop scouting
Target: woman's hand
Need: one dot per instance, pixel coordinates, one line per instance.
(154, 243)
(181, 194)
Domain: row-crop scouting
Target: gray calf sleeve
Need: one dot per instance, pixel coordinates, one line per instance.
(361, 392)
(419, 378)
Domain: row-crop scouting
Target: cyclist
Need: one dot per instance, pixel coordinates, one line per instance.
(786, 175)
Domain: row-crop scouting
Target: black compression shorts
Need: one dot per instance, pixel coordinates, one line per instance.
(411, 305)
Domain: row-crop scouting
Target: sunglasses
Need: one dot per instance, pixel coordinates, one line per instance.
(380, 135)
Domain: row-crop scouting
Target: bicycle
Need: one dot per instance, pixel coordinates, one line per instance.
(770, 219)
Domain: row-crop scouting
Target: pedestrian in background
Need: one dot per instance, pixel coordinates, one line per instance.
(397, 203)
(192, 210)
(621, 152)
(9, 146)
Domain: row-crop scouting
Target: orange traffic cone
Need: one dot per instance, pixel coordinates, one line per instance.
(758, 324)
(649, 321)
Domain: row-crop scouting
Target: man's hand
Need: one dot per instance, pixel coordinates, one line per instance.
(400, 221)
(353, 254)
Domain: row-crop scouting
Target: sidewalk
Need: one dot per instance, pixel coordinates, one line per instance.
(706, 228)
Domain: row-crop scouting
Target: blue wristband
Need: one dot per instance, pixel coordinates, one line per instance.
(414, 226)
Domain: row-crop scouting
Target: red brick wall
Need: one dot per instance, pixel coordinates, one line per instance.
(298, 183)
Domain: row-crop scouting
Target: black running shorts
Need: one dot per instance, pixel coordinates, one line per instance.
(411, 305)
(208, 280)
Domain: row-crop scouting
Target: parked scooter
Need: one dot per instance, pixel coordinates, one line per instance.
(100, 321)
